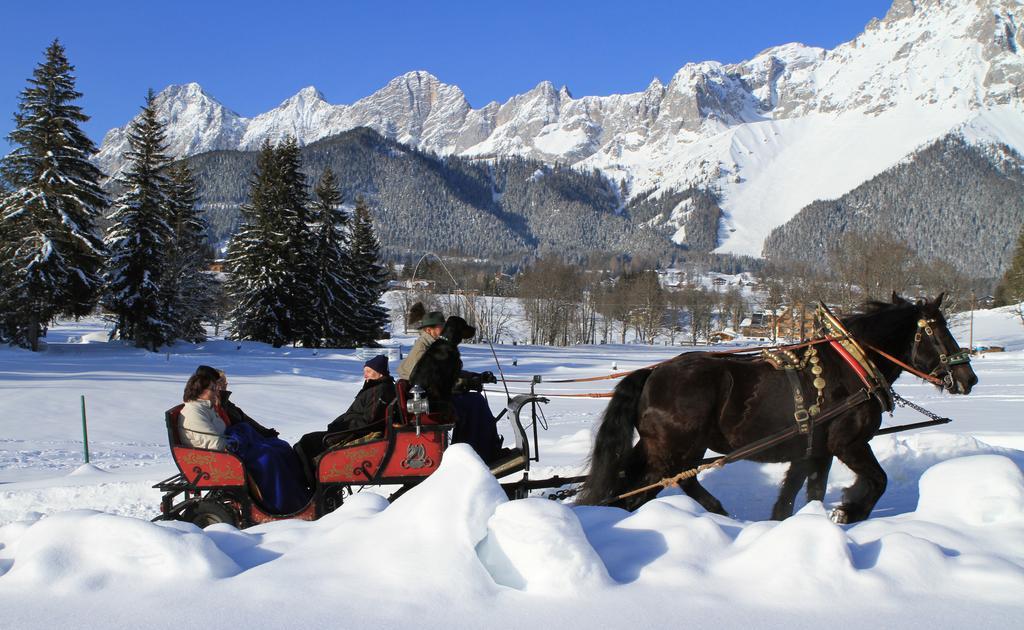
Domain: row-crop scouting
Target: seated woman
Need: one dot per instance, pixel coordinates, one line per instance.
(366, 411)
(270, 462)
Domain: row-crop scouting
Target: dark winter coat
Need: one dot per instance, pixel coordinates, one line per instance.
(368, 407)
(438, 369)
(237, 416)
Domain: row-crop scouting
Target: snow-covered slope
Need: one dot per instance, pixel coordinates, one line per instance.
(789, 126)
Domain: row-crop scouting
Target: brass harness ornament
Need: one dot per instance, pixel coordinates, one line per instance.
(791, 365)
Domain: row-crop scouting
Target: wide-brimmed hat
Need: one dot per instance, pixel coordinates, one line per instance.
(378, 364)
(433, 318)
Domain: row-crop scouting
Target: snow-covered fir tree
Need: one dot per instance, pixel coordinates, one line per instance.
(368, 278)
(298, 244)
(333, 297)
(139, 236)
(269, 256)
(188, 289)
(254, 284)
(50, 253)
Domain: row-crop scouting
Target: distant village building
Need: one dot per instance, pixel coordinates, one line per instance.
(788, 322)
(723, 336)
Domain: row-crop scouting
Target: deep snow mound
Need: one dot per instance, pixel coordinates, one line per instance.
(87, 550)
(980, 490)
(453, 550)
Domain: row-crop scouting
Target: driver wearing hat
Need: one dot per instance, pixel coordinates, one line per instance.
(430, 328)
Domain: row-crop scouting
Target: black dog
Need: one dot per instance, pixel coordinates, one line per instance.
(440, 367)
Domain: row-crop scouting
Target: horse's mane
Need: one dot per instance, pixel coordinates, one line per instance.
(882, 321)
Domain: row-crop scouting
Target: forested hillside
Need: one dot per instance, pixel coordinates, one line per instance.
(506, 209)
(951, 201)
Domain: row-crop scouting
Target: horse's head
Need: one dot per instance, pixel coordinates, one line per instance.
(936, 352)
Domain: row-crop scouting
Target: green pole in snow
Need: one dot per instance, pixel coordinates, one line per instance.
(85, 432)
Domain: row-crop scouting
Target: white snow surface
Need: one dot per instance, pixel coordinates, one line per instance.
(774, 133)
(944, 547)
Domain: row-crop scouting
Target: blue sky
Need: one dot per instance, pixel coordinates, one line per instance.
(251, 56)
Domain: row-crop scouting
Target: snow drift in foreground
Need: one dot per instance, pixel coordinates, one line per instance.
(943, 548)
(455, 553)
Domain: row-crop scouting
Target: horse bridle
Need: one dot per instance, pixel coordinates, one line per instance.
(946, 359)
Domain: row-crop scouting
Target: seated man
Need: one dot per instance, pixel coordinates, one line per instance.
(474, 423)
(430, 328)
(366, 411)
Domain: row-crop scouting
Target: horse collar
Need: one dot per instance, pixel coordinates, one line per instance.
(851, 352)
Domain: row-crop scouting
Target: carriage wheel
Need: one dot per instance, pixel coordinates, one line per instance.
(208, 513)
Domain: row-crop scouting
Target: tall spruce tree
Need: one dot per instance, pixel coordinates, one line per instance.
(333, 296)
(188, 291)
(255, 281)
(269, 258)
(139, 236)
(368, 278)
(50, 253)
(297, 246)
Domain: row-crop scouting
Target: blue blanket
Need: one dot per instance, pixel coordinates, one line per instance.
(274, 467)
(475, 425)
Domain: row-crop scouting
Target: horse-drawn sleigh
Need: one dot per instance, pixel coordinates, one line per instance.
(214, 487)
(748, 405)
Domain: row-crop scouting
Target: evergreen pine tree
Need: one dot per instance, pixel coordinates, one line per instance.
(333, 297)
(297, 247)
(50, 252)
(139, 236)
(368, 278)
(188, 290)
(254, 283)
(269, 257)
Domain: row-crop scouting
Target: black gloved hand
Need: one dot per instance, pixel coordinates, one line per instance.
(488, 377)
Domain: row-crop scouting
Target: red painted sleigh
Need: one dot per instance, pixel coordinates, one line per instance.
(214, 487)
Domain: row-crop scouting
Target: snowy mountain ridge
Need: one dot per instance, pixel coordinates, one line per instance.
(792, 125)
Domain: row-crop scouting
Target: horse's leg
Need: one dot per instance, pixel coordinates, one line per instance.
(791, 484)
(860, 498)
(817, 477)
(635, 476)
(699, 493)
(664, 461)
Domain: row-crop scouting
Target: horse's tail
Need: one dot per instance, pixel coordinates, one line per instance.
(614, 442)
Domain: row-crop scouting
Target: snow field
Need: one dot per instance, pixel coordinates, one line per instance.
(454, 551)
(944, 547)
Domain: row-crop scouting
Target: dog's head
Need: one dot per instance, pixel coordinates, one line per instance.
(456, 330)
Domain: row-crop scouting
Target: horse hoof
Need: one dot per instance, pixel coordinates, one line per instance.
(839, 516)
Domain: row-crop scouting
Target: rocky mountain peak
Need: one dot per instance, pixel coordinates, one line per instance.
(925, 68)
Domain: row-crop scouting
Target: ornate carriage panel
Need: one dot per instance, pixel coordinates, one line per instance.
(354, 464)
(416, 456)
(209, 468)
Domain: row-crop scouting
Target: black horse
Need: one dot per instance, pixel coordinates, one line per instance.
(702, 400)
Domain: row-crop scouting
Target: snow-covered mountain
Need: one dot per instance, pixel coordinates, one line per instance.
(790, 126)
